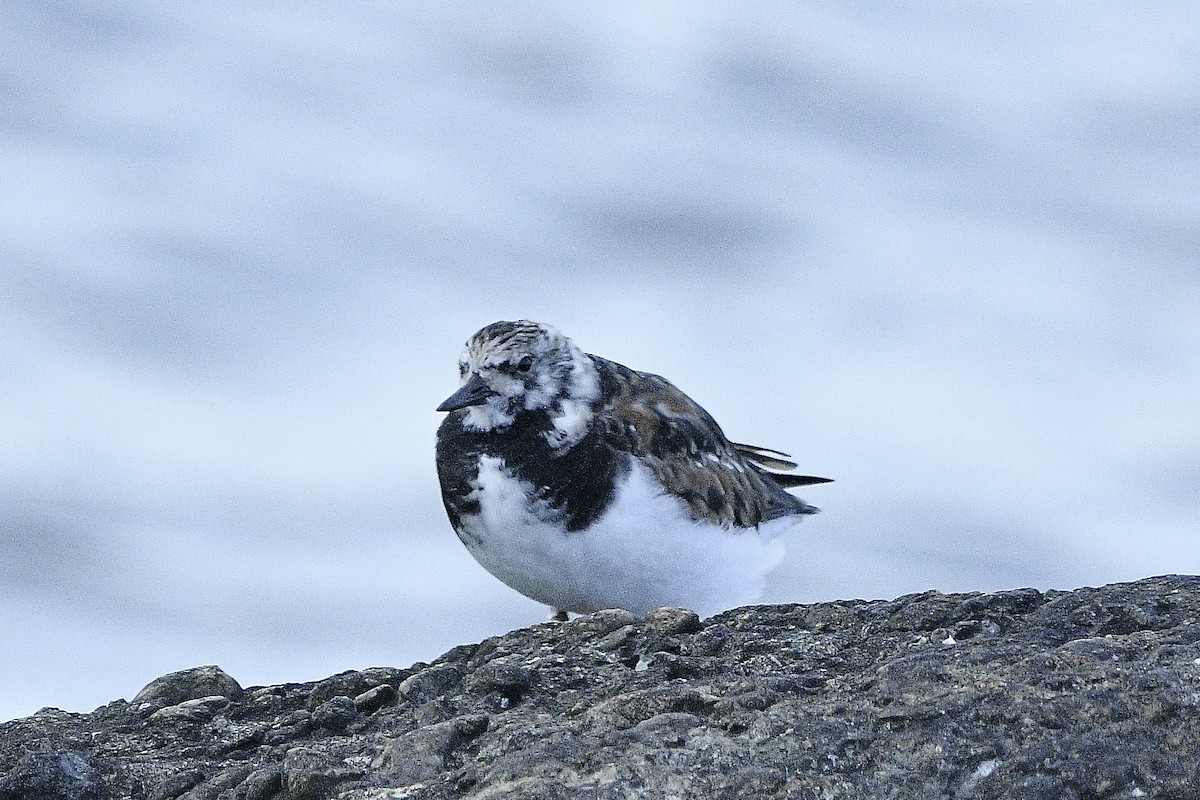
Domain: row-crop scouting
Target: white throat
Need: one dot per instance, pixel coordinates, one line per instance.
(487, 417)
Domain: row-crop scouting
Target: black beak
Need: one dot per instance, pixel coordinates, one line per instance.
(473, 393)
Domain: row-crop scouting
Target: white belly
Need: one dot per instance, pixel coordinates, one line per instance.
(643, 553)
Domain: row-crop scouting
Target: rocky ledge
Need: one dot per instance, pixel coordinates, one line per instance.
(1093, 693)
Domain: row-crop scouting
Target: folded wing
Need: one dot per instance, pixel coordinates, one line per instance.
(728, 484)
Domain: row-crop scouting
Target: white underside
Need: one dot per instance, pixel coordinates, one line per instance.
(645, 552)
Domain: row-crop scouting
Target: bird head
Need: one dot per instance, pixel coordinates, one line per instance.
(508, 368)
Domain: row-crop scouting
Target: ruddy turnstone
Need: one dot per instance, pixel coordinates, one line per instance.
(584, 484)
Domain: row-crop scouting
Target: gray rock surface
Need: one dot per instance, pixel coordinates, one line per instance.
(1076, 695)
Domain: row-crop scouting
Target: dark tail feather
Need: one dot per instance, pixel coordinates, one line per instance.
(797, 480)
(772, 460)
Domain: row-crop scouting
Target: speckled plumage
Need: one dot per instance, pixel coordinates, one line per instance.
(547, 452)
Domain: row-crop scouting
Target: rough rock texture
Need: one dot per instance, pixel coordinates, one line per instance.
(1087, 694)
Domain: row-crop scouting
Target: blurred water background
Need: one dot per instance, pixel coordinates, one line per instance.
(946, 253)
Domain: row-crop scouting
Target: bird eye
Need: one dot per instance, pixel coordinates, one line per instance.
(525, 364)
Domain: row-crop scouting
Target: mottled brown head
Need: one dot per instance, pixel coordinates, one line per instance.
(508, 368)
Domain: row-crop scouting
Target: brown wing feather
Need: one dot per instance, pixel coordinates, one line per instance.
(768, 459)
(721, 482)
